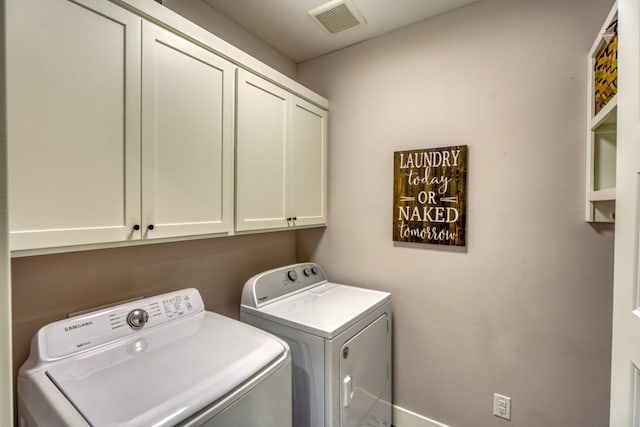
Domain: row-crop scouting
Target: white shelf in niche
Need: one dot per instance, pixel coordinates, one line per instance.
(601, 143)
(608, 114)
(602, 195)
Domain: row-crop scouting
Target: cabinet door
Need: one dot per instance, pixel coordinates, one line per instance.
(73, 93)
(187, 137)
(308, 163)
(263, 113)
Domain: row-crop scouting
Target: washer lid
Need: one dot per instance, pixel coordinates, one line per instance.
(162, 377)
(325, 310)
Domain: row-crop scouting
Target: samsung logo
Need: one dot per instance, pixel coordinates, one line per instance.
(77, 326)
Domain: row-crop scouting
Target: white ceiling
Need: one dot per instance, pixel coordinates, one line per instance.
(286, 26)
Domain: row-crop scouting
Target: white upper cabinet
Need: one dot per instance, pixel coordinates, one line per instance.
(73, 93)
(187, 137)
(123, 124)
(308, 164)
(261, 150)
(280, 157)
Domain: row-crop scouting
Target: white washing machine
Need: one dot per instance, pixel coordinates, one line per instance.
(159, 361)
(340, 340)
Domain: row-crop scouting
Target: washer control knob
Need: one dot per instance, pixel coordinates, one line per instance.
(314, 270)
(137, 318)
(307, 271)
(292, 275)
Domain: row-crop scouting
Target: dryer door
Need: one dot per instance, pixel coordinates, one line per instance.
(365, 376)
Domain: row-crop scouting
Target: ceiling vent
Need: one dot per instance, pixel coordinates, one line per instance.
(337, 16)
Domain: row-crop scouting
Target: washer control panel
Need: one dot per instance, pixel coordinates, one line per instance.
(274, 284)
(89, 330)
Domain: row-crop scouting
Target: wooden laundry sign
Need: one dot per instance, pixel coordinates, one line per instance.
(430, 196)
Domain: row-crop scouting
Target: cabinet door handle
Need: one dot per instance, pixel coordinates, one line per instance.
(295, 218)
(150, 227)
(136, 227)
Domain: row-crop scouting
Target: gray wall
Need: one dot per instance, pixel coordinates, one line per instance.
(525, 309)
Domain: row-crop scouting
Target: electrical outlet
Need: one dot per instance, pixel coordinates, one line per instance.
(502, 406)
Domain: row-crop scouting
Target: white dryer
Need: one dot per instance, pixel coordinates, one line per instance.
(159, 361)
(340, 340)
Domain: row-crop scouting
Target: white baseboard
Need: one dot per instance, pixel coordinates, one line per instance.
(405, 418)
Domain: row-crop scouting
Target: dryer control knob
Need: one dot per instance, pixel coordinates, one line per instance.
(137, 318)
(307, 271)
(314, 270)
(292, 275)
